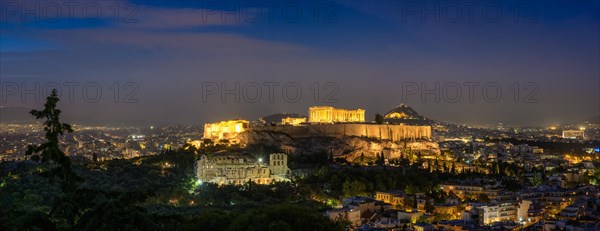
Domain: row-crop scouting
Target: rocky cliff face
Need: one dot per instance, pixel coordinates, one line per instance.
(262, 137)
(348, 148)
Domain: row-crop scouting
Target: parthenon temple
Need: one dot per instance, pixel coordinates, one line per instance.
(326, 114)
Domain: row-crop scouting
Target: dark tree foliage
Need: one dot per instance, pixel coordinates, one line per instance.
(282, 217)
(49, 151)
(378, 119)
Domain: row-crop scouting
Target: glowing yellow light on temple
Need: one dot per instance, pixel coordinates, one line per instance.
(293, 121)
(326, 114)
(225, 129)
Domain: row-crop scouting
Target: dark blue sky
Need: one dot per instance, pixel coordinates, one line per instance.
(161, 54)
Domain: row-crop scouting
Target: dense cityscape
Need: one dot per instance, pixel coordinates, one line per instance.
(300, 115)
(456, 177)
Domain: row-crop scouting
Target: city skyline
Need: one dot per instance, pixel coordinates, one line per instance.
(324, 115)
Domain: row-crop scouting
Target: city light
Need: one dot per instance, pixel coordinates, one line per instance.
(299, 115)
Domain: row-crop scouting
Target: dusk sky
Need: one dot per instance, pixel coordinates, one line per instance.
(361, 53)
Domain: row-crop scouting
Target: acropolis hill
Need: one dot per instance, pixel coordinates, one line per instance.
(375, 131)
(340, 132)
(350, 148)
(330, 122)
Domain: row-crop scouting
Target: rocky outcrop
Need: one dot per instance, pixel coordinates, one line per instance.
(347, 147)
(355, 147)
(263, 137)
(375, 131)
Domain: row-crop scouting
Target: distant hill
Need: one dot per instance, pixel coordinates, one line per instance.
(404, 114)
(21, 115)
(592, 120)
(15, 115)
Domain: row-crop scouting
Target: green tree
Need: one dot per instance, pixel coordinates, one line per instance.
(596, 177)
(281, 217)
(354, 188)
(423, 219)
(380, 159)
(483, 198)
(429, 208)
(66, 206)
(378, 119)
(49, 151)
(536, 180)
(410, 202)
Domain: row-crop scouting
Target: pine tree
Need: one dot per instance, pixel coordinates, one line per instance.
(49, 151)
(67, 206)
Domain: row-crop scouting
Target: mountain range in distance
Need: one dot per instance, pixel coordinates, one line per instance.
(401, 113)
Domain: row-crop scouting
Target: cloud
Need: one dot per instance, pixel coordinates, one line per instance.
(120, 13)
(175, 18)
(214, 43)
(169, 53)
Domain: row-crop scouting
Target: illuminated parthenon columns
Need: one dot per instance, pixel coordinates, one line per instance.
(326, 114)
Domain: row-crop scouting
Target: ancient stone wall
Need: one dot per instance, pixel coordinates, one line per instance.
(377, 131)
(293, 131)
